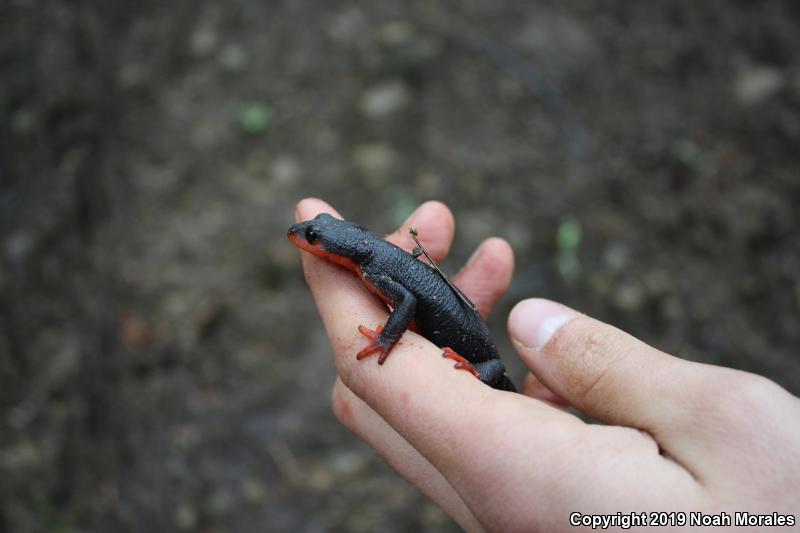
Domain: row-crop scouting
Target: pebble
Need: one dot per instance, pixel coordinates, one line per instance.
(253, 491)
(553, 35)
(346, 463)
(347, 26)
(186, 436)
(285, 169)
(429, 184)
(21, 455)
(320, 478)
(222, 501)
(18, 247)
(617, 256)
(205, 134)
(375, 161)
(361, 520)
(756, 84)
(396, 33)
(23, 121)
(672, 308)
(185, 517)
(628, 297)
(233, 58)
(204, 40)
(326, 139)
(384, 100)
(658, 283)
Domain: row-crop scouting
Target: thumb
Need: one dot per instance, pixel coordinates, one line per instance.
(599, 369)
(686, 407)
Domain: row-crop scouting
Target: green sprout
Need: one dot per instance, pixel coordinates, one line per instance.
(568, 241)
(254, 117)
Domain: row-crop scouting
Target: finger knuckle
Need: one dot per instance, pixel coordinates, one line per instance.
(736, 405)
(349, 369)
(739, 396)
(619, 442)
(341, 407)
(593, 352)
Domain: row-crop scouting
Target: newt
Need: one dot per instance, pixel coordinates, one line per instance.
(417, 294)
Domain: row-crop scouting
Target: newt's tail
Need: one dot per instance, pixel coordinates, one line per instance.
(505, 384)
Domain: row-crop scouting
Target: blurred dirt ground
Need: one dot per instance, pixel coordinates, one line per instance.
(161, 364)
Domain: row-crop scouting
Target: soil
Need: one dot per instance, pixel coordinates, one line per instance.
(162, 366)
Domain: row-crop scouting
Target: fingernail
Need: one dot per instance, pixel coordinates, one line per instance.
(534, 322)
(297, 210)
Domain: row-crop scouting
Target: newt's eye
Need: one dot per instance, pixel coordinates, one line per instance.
(311, 235)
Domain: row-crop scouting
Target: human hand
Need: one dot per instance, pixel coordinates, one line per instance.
(680, 436)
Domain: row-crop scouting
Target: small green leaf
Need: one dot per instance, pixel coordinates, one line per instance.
(568, 236)
(686, 152)
(568, 240)
(254, 117)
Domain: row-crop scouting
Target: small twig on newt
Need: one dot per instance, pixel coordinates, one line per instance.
(419, 250)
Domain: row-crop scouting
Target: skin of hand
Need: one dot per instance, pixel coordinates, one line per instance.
(677, 436)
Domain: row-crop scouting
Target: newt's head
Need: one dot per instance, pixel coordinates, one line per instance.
(332, 239)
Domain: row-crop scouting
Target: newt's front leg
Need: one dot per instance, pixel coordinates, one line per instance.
(383, 338)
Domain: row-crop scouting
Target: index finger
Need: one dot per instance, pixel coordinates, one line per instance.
(435, 230)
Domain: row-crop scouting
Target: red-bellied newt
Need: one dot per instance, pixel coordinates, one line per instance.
(413, 290)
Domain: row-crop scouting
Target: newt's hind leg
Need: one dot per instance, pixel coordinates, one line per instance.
(461, 363)
(491, 372)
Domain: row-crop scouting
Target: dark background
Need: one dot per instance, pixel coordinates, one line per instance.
(162, 367)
